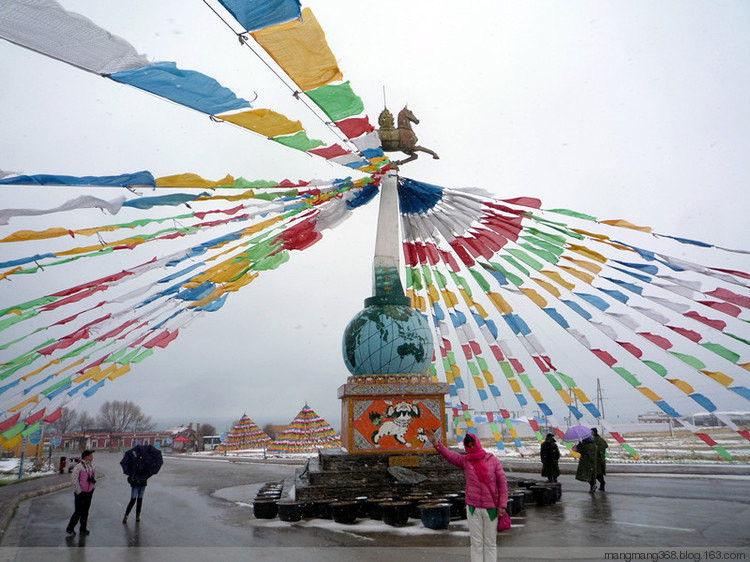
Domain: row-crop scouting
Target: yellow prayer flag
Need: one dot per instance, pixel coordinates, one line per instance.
(500, 303)
(581, 395)
(587, 265)
(650, 394)
(682, 385)
(119, 372)
(584, 251)
(301, 50)
(61, 371)
(535, 297)
(626, 224)
(535, 395)
(39, 370)
(192, 180)
(583, 276)
(32, 400)
(450, 298)
(467, 299)
(12, 443)
(26, 235)
(557, 278)
(721, 378)
(105, 373)
(433, 293)
(548, 287)
(265, 122)
(93, 371)
(590, 234)
(565, 396)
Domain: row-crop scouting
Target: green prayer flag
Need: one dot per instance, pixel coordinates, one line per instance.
(8, 322)
(60, 384)
(544, 254)
(338, 101)
(300, 141)
(627, 375)
(690, 360)
(142, 356)
(517, 281)
(31, 429)
(571, 214)
(525, 258)
(723, 452)
(656, 367)
(553, 381)
(727, 354)
(479, 278)
(15, 430)
(567, 380)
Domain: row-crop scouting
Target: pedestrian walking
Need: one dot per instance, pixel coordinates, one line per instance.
(486, 493)
(84, 482)
(137, 490)
(587, 463)
(601, 457)
(550, 455)
(139, 464)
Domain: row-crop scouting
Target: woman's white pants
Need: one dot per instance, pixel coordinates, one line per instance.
(483, 534)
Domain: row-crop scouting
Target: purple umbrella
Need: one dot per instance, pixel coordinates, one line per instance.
(577, 433)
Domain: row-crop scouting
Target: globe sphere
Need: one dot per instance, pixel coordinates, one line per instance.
(387, 339)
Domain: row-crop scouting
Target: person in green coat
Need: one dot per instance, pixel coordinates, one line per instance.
(550, 454)
(587, 463)
(601, 458)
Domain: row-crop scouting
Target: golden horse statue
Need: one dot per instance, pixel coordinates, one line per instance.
(402, 138)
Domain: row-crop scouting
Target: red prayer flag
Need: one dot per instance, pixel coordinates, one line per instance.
(355, 126)
(35, 417)
(10, 422)
(54, 416)
(330, 151)
(664, 343)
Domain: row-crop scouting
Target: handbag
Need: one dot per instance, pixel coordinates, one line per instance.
(503, 523)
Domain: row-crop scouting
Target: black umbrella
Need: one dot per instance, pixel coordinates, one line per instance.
(141, 462)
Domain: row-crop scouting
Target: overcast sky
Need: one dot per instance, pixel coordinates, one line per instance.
(635, 110)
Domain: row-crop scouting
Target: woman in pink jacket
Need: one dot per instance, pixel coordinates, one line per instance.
(486, 493)
(84, 482)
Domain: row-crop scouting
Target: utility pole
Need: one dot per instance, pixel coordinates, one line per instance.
(599, 402)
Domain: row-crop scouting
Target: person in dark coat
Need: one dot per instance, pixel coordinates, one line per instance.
(139, 463)
(601, 458)
(587, 463)
(137, 490)
(550, 454)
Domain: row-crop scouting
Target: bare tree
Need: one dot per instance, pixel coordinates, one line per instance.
(66, 421)
(207, 429)
(122, 416)
(84, 422)
(270, 430)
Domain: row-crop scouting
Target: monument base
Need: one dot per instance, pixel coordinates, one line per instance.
(336, 474)
(386, 414)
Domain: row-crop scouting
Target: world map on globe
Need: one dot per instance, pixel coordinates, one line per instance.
(387, 339)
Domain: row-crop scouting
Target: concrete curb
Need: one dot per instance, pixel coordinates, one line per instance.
(638, 468)
(8, 506)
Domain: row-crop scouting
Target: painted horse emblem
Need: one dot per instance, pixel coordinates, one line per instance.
(402, 138)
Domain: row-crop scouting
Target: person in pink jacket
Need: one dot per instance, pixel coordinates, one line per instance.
(84, 482)
(486, 493)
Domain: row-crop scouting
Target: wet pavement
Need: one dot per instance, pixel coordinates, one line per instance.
(198, 509)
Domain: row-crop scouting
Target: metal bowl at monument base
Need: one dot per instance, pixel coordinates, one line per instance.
(387, 339)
